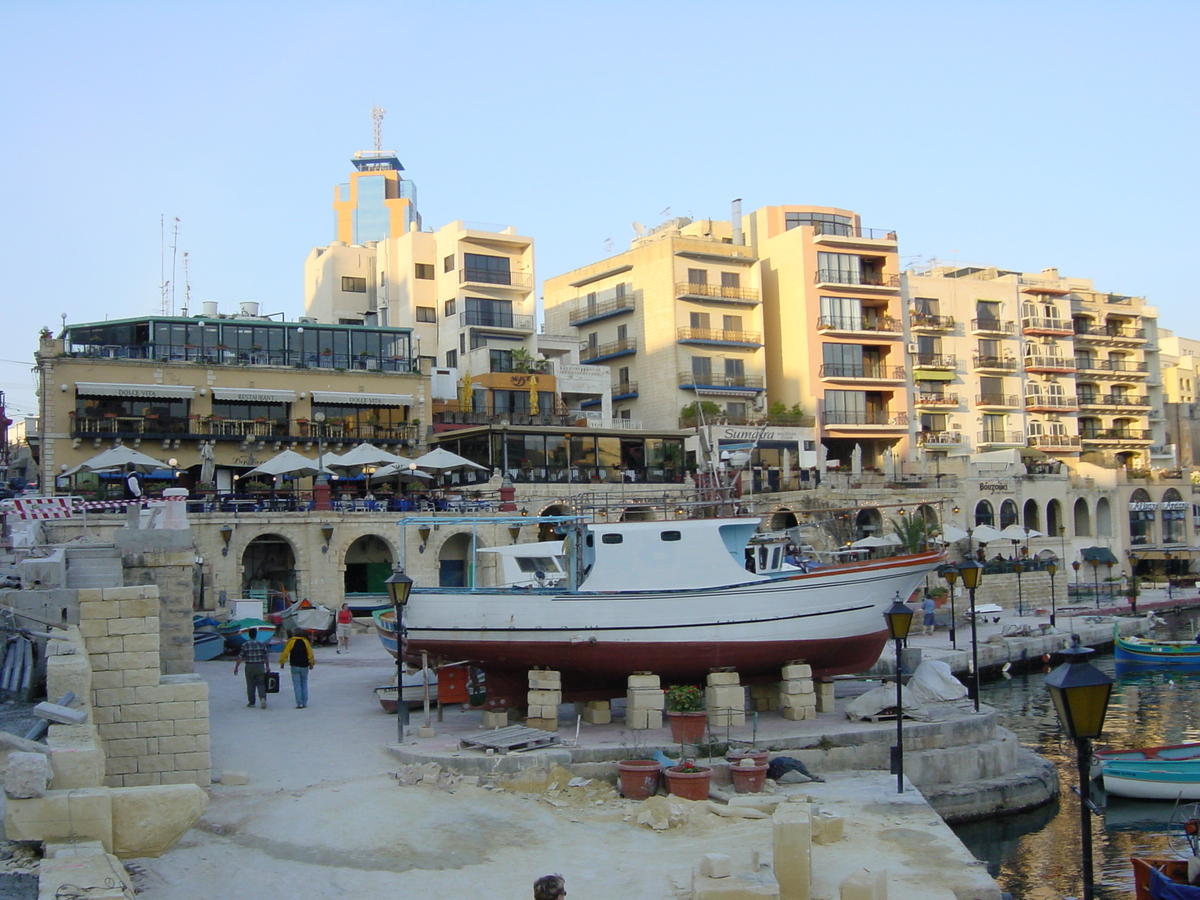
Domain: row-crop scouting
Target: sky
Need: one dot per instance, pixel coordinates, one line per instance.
(1020, 135)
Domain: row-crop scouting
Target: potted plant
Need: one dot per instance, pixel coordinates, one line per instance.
(685, 712)
(688, 780)
(638, 778)
(748, 774)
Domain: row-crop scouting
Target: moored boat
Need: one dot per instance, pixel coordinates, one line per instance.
(676, 596)
(1147, 652)
(207, 645)
(1165, 753)
(1153, 779)
(1154, 878)
(239, 631)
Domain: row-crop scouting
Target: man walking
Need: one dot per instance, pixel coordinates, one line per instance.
(298, 653)
(254, 653)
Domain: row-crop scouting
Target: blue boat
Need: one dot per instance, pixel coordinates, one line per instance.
(385, 627)
(207, 645)
(1153, 779)
(1138, 651)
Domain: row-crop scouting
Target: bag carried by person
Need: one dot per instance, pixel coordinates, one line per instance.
(272, 682)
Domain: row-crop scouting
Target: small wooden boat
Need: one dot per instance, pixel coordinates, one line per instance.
(317, 622)
(385, 627)
(238, 632)
(365, 605)
(1171, 875)
(207, 645)
(1153, 779)
(1146, 652)
(414, 691)
(1166, 753)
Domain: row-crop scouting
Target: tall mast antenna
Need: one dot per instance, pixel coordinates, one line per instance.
(377, 114)
(187, 286)
(174, 257)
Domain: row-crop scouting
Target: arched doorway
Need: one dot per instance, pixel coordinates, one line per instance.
(868, 522)
(454, 562)
(1008, 514)
(368, 565)
(1083, 518)
(1054, 519)
(984, 514)
(269, 570)
(1032, 520)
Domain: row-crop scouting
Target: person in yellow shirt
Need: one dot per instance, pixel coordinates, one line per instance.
(298, 653)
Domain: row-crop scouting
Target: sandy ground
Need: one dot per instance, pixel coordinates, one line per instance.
(324, 816)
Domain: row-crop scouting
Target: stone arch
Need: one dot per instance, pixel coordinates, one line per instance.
(868, 521)
(1104, 523)
(638, 514)
(1008, 514)
(454, 561)
(1083, 518)
(546, 530)
(1174, 523)
(367, 563)
(1031, 516)
(1054, 518)
(984, 514)
(269, 564)
(782, 520)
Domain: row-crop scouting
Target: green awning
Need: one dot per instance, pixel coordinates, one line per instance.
(932, 375)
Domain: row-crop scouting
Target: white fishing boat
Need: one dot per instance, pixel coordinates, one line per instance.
(674, 597)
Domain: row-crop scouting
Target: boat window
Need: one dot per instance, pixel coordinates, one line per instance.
(762, 559)
(775, 560)
(612, 538)
(670, 536)
(536, 564)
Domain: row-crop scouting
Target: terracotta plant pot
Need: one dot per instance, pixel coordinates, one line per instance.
(736, 756)
(687, 727)
(638, 778)
(688, 785)
(748, 779)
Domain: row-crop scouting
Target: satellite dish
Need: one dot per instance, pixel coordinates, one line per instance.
(639, 229)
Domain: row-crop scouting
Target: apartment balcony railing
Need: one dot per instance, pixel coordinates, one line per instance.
(885, 324)
(712, 379)
(862, 417)
(997, 363)
(481, 319)
(233, 356)
(497, 416)
(1054, 441)
(1114, 434)
(719, 336)
(1008, 401)
(523, 366)
(522, 280)
(927, 322)
(1036, 325)
(86, 426)
(993, 326)
(941, 438)
(1050, 402)
(624, 389)
(837, 229)
(935, 399)
(1102, 332)
(1049, 364)
(935, 361)
(593, 312)
(858, 370)
(755, 421)
(1121, 400)
(218, 427)
(718, 293)
(623, 347)
(863, 279)
(1089, 364)
(1001, 437)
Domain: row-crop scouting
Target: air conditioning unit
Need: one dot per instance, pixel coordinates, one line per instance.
(912, 348)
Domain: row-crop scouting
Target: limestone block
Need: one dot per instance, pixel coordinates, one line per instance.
(146, 607)
(544, 698)
(141, 677)
(643, 681)
(104, 680)
(234, 778)
(149, 821)
(544, 675)
(643, 719)
(726, 696)
(69, 674)
(131, 592)
(495, 719)
(543, 724)
(63, 714)
(61, 815)
(597, 716)
(85, 863)
(792, 833)
(797, 670)
(542, 712)
(722, 718)
(865, 885)
(799, 713)
(722, 678)
(26, 775)
(127, 626)
(645, 698)
(105, 644)
(716, 865)
(766, 705)
(825, 701)
(93, 628)
(765, 691)
(757, 885)
(796, 701)
(140, 642)
(796, 686)
(544, 684)
(76, 757)
(828, 828)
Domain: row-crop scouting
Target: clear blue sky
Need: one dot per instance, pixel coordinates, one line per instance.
(1024, 135)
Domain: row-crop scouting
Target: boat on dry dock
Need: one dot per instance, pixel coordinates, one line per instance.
(679, 597)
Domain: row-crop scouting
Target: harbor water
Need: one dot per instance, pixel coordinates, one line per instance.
(1036, 855)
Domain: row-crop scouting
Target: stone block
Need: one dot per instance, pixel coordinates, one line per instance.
(156, 762)
(76, 767)
(127, 626)
(797, 670)
(643, 681)
(156, 729)
(792, 838)
(62, 714)
(62, 815)
(192, 690)
(92, 629)
(234, 778)
(544, 698)
(125, 765)
(106, 644)
(865, 884)
(66, 866)
(114, 696)
(200, 760)
(141, 779)
(796, 686)
(762, 704)
(203, 779)
(495, 718)
(598, 704)
(645, 698)
(200, 726)
(185, 743)
(825, 700)
(141, 677)
(179, 709)
(828, 828)
(139, 642)
(26, 775)
(716, 865)
(724, 718)
(765, 691)
(543, 724)
(542, 712)
(134, 747)
(798, 701)
(545, 675)
(643, 719)
(717, 679)
(545, 684)
(131, 592)
(145, 607)
(756, 885)
(120, 731)
(139, 712)
(150, 821)
(597, 716)
(726, 696)
(69, 674)
(425, 731)
(102, 680)
(799, 714)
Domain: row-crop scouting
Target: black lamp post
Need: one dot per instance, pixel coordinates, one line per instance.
(398, 587)
(1111, 599)
(950, 573)
(1095, 579)
(1019, 567)
(971, 572)
(1052, 570)
(899, 620)
(1080, 693)
(1169, 556)
(1075, 566)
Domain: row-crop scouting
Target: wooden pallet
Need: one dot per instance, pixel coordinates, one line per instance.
(512, 739)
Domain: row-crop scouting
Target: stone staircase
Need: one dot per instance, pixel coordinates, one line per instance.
(94, 566)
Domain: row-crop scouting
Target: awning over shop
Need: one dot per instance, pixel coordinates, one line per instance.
(1101, 554)
(362, 399)
(920, 374)
(107, 389)
(253, 395)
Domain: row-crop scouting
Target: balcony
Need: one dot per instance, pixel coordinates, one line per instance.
(871, 418)
(836, 233)
(1118, 401)
(477, 318)
(1126, 367)
(935, 400)
(1048, 327)
(862, 372)
(220, 428)
(1049, 364)
(997, 401)
(883, 325)
(1109, 335)
(1117, 435)
(717, 293)
(1001, 438)
(594, 312)
(498, 416)
(993, 326)
(935, 361)
(114, 425)
(701, 381)
(611, 350)
(1050, 403)
(625, 390)
(925, 322)
(859, 280)
(1052, 443)
(521, 281)
(994, 363)
(940, 439)
(719, 337)
(783, 420)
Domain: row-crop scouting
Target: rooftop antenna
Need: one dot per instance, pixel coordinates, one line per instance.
(174, 256)
(187, 287)
(377, 114)
(162, 263)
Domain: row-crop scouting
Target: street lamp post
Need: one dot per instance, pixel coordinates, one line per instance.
(950, 573)
(1075, 566)
(1111, 599)
(899, 620)
(971, 571)
(1169, 556)
(1095, 580)
(1019, 567)
(399, 586)
(321, 485)
(1080, 693)
(1052, 570)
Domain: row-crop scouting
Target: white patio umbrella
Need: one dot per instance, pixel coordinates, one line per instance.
(1016, 532)
(872, 541)
(442, 460)
(985, 534)
(289, 462)
(118, 457)
(952, 533)
(404, 470)
(363, 455)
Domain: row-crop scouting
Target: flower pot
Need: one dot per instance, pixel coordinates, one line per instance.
(748, 779)
(736, 756)
(687, 727)
(638, 778)
(688, 785)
